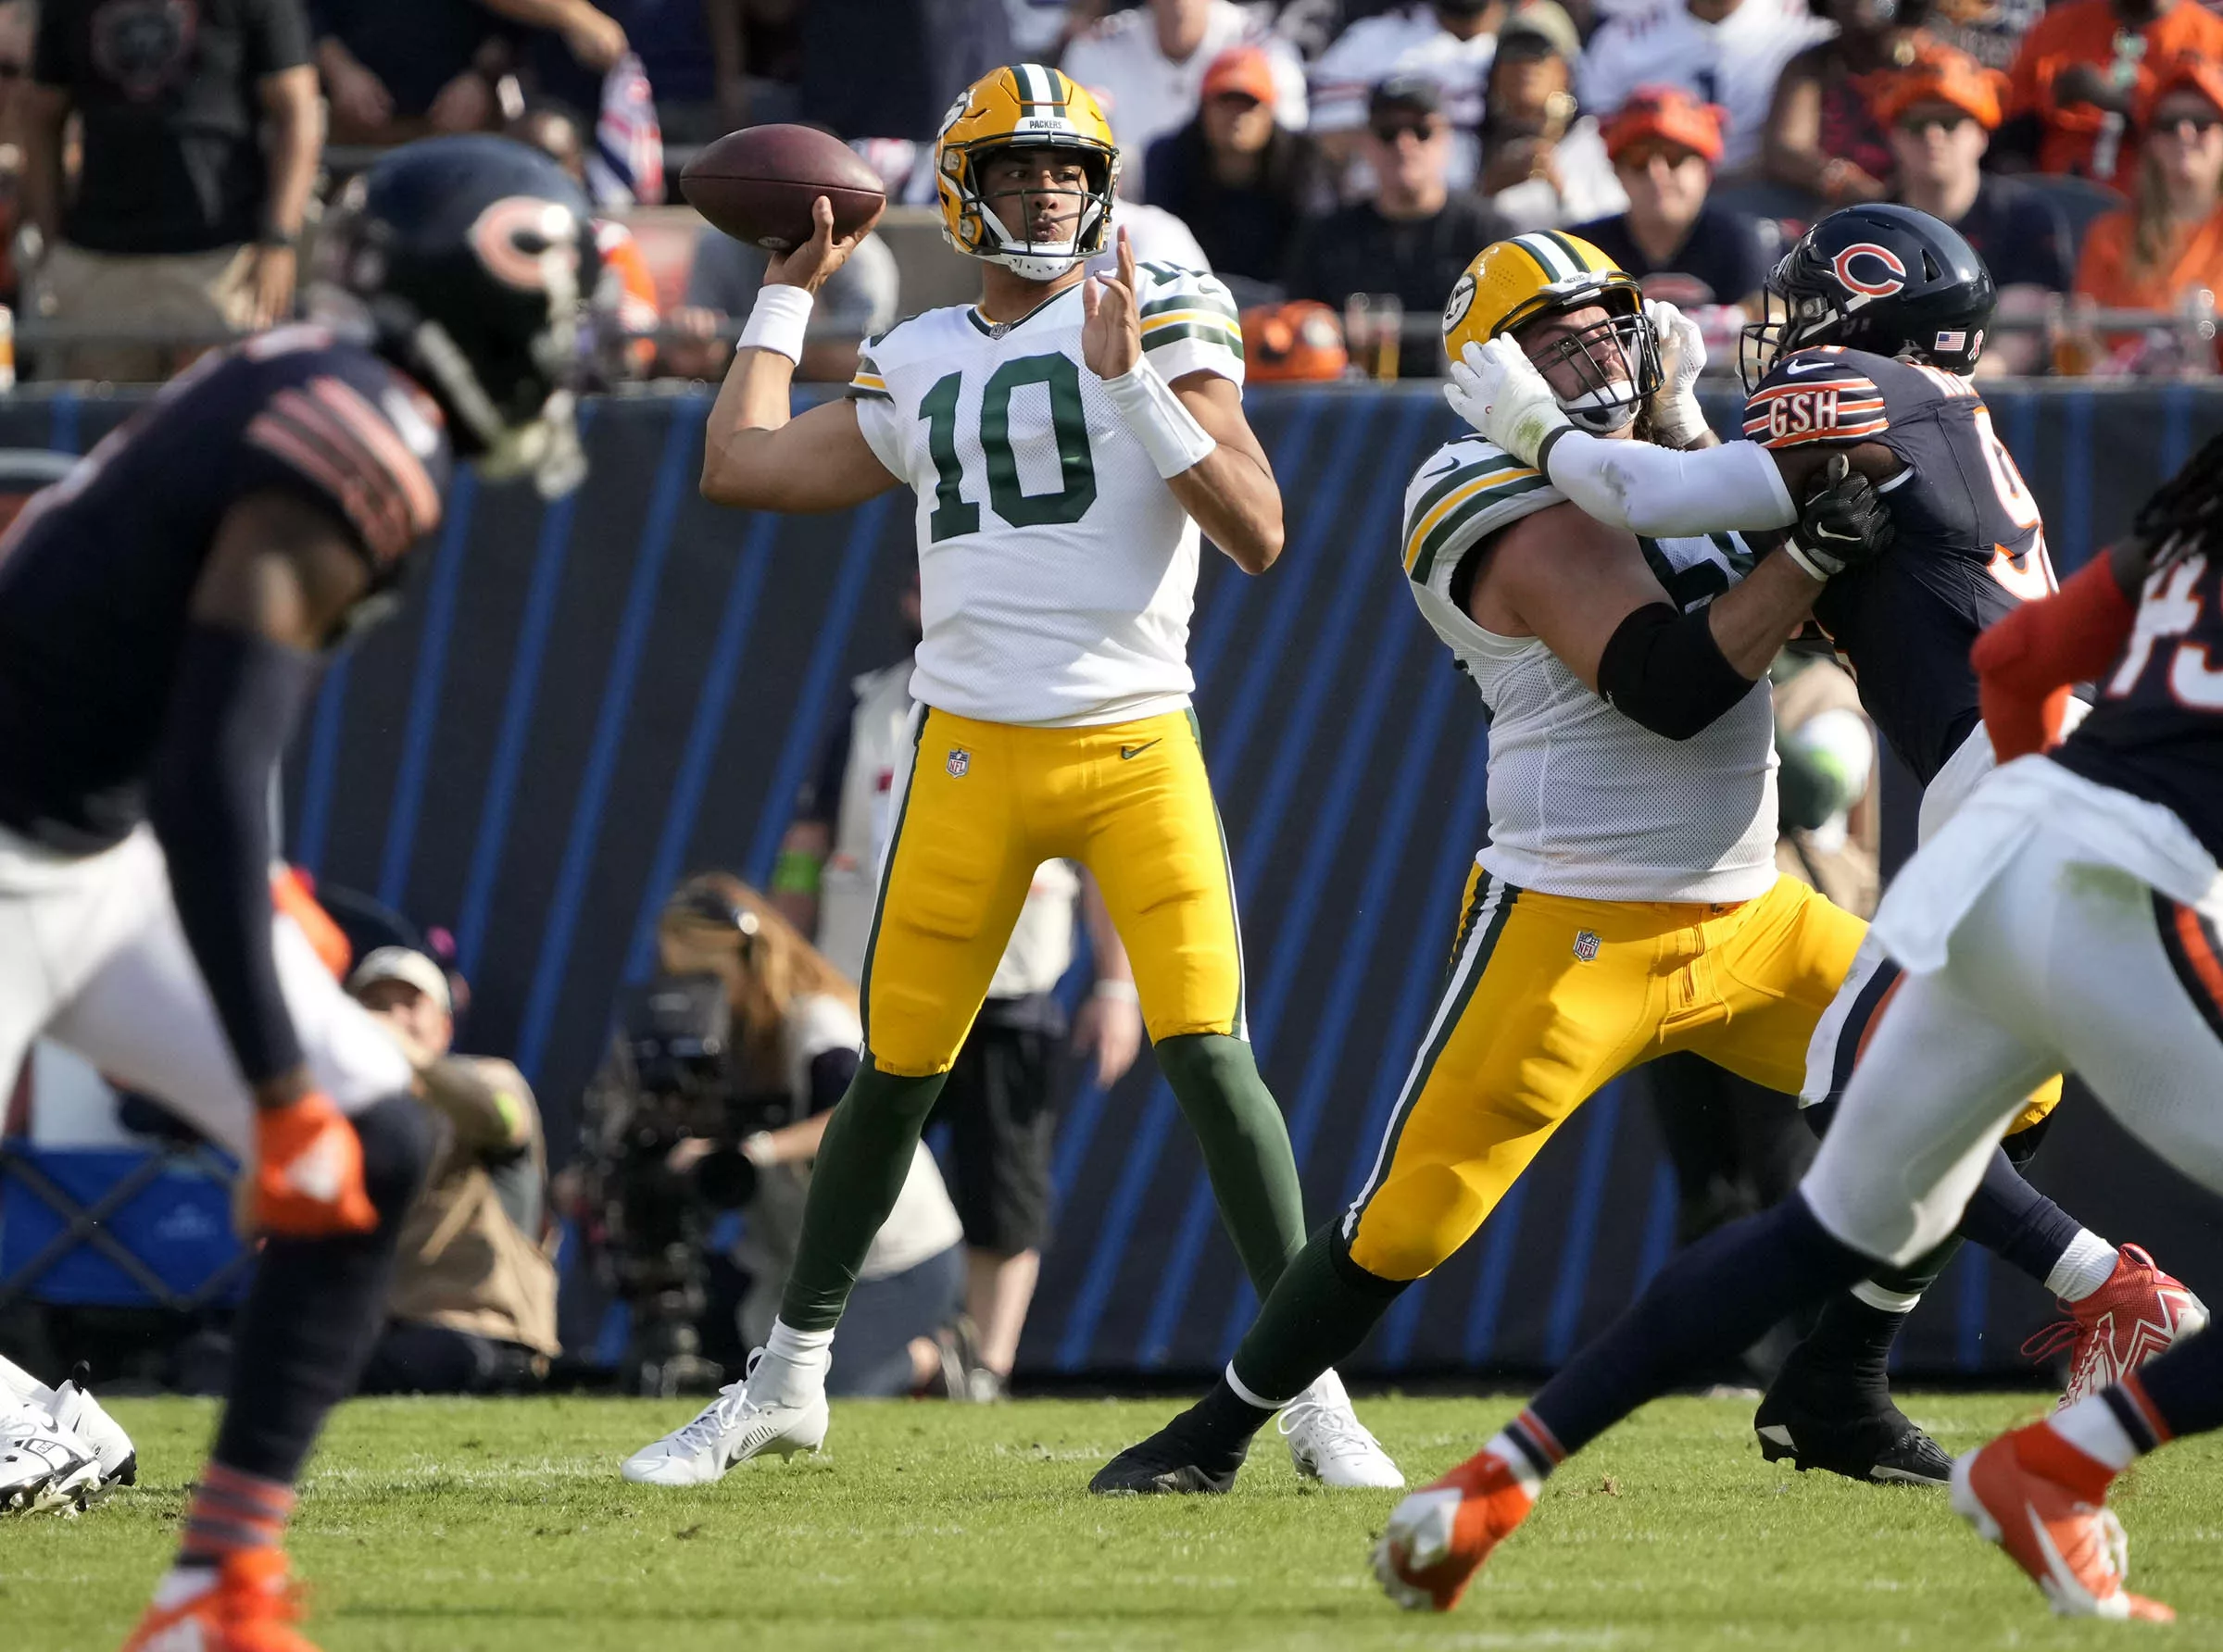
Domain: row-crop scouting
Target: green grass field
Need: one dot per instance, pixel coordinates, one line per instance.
(441, 1526)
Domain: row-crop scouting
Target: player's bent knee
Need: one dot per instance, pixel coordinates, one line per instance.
(1415, 1222)
(398, 1141)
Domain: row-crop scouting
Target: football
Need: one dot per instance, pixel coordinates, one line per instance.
(757, 184)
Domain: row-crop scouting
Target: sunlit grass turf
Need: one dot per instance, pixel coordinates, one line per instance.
(457, 1526)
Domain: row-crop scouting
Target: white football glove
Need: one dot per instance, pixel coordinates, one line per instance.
(1676, 419)
(1497, 389)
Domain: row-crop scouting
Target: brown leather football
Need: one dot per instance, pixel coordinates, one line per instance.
(757, 184)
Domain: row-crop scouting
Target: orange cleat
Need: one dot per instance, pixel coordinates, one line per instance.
(2044, 1502)
(2136, 1314)
(250, 1607)
(1439, 1535)
(309, 1172)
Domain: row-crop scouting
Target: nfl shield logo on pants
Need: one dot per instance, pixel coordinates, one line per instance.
(1586, 945)
(960, 761)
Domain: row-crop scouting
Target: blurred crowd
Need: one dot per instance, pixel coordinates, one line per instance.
(1334, 161)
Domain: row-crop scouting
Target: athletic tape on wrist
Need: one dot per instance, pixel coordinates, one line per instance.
(778, 323)
(1680, 422)
(1804, 558)
(1169, 432)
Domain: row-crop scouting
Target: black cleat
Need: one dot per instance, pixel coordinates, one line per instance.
(1177, 1459)
(1876, 1443)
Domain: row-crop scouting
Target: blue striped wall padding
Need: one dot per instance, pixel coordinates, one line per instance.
(588, 699)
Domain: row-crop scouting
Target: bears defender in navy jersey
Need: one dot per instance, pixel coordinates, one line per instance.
(1969, 542)
(96, 573)
(165, 610)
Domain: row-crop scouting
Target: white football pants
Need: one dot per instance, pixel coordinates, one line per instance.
(2058, 966)
(92, 956)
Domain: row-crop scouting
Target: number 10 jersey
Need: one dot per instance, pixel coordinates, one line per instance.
(1057, 571)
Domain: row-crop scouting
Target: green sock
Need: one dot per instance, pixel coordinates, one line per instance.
(1322, 1310)
(862, 1164)
(1246, 1145)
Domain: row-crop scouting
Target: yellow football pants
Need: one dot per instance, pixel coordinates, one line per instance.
(1549, 999)
(983, 805)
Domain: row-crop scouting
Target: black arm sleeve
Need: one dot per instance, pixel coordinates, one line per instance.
(231, 709)
(1662, 668)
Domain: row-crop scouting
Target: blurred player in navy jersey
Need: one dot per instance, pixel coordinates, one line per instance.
(2067, 917)
(165, 611)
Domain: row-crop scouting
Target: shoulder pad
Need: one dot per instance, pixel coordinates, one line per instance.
(1468, 488)
(1177, 302)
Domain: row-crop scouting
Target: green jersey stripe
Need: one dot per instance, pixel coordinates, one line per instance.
(1206, 330)
(858, 393)
(1512, 469)
(1196, 299)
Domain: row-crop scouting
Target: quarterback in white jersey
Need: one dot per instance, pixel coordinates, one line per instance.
(1066, 439)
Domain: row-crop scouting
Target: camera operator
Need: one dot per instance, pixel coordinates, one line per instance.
(998, 1102)
(715, 1099)
(472, 1307)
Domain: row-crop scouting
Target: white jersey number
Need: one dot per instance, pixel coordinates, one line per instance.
(952, 513)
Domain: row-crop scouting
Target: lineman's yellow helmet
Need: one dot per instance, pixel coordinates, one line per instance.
(1544, 272)
(1028, 106)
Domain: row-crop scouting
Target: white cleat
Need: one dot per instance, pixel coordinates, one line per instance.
(730, 1430)
(1329, 1444)
(76, 1411)
(42, 1467)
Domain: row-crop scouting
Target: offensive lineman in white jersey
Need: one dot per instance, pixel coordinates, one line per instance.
(1627, 904)
(1066, 437)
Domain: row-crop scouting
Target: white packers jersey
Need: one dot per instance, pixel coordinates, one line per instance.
(1056, 569)
(1583, 800)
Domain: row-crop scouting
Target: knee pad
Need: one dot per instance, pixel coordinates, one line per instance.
(1353, 1272)
(397, 1138)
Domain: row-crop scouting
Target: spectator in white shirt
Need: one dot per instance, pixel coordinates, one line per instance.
(1543, 165)
(1147, 69)
(1725, 52)
(1451, 42)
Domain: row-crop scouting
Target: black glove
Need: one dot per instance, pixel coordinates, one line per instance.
(1844, 524)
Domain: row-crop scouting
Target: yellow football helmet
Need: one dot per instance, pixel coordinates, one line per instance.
(1545, 271)
(1029, 106)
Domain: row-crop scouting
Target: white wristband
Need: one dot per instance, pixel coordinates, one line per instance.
(1804, 558)
(1169, 432)
(1110, 986)
(778, 322)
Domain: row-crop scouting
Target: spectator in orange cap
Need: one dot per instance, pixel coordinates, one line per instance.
(1941, 113)
(2085, 69)
(2169, 239)
(1664, 144)
(1234, 174)
(1821, 134)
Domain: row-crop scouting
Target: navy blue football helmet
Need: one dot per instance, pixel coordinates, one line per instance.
(1882, 278)
(472, 260)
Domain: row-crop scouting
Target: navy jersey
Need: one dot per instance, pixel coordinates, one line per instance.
(1969, 544)
(2157, 730)
(96, 572)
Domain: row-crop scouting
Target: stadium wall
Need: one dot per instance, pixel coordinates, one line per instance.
(587, 699)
